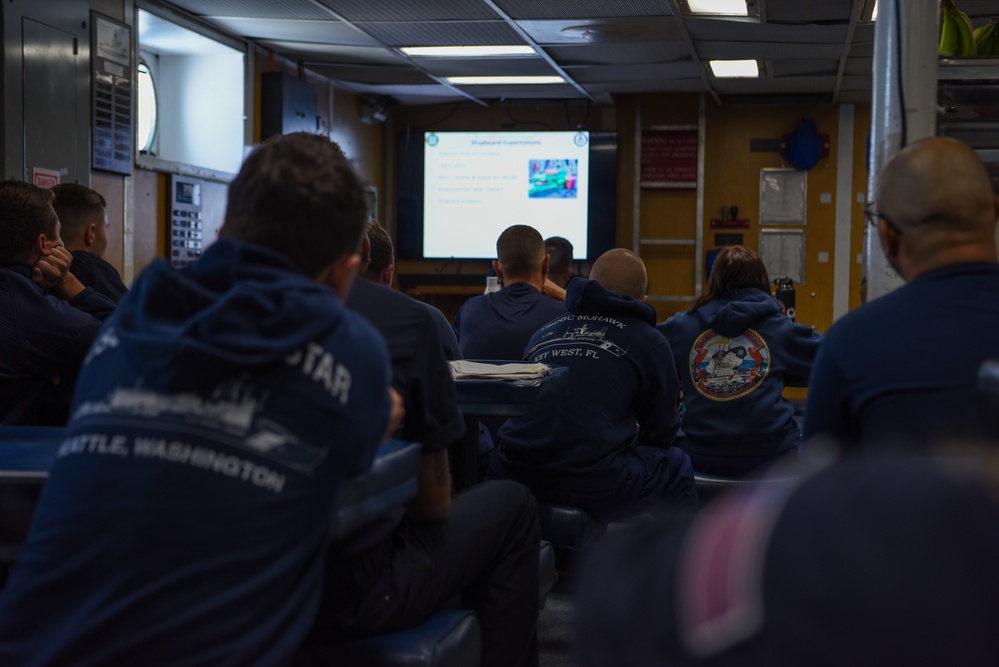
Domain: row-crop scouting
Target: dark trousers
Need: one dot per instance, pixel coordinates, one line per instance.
(485, 551)
(660, 481)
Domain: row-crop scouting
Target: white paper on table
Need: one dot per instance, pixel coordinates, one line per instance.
(468, 370)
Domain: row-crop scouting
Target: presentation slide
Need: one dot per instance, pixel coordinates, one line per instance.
(476, 184)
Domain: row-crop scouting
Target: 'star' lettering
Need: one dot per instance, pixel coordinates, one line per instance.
(319, 365)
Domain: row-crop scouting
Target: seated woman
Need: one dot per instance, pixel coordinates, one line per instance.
(735, 351)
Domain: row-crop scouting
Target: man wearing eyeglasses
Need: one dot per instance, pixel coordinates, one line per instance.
(900, 371)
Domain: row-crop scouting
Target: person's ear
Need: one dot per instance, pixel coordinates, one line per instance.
(387, 273)
(643, 298)
(88, 234)
(365, 250)
(889, 239)
(340, 274)
(544, 266)
(498, 270)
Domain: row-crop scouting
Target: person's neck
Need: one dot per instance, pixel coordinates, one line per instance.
(534, 281)
(965, 254)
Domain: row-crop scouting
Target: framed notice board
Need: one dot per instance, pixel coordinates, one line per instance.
(669, 157)
(111, 94)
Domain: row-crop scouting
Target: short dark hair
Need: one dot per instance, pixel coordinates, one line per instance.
(297, 194)
(382, 250)
(520, 250)
(736, 267)
(77, 206)
(25, 212)
(559, 254)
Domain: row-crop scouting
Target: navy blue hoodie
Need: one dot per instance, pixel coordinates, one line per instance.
(187, 511)
(735, 355)
(621, 371)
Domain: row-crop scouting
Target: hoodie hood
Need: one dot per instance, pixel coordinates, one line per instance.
(736, 311)
(237, 308)
(588, 297)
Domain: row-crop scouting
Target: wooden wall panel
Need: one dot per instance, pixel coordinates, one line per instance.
(149, 191)
(112, 187)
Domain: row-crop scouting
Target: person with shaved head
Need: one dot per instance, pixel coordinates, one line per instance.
(900, 371)
(607, 445)
(498, 325)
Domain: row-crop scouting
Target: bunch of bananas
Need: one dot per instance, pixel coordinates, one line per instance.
(956, 38)
(987, 39)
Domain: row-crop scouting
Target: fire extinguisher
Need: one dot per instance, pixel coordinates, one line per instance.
(785, 294)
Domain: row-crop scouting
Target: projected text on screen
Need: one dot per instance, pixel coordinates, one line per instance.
(477, 184)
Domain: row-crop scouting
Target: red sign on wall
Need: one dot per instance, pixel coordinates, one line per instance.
(45, 178)
(669, 158)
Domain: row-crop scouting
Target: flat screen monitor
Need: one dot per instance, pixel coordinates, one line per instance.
(458, 191)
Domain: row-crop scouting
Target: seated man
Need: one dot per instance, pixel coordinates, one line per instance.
(498, 325)
(559, 251)
(185, 518)
(559, 267)
(587, 451)
(82, 212)
(49, 319)
(900, 371)
(483, 544)
(381, 270)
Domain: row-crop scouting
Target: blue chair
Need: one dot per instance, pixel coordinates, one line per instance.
(569, 530)
(26, 454)
(710, 487)
(449, 638)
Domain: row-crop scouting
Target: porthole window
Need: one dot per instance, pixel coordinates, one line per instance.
(194, 79)
(146, 111)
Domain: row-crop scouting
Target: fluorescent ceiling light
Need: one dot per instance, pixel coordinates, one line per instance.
(719, 7)
(735, 68)
(500, 80)
(467, 51)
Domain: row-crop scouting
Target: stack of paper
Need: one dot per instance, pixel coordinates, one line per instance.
(477, 370)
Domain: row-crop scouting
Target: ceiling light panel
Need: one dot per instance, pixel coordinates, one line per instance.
(718, 7)
(503, 80)
(483, 51)
(743, 69)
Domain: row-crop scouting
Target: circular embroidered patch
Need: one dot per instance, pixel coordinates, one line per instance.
(724, 369)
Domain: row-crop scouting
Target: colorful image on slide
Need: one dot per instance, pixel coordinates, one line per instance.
(553, 179)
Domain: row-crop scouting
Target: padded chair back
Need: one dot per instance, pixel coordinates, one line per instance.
(449, 638)
(569, 529)
(389, 484)
(710, 486)
(26, 454)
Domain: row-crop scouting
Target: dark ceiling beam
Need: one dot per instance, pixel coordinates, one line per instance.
(442, 81)
(540, 51)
